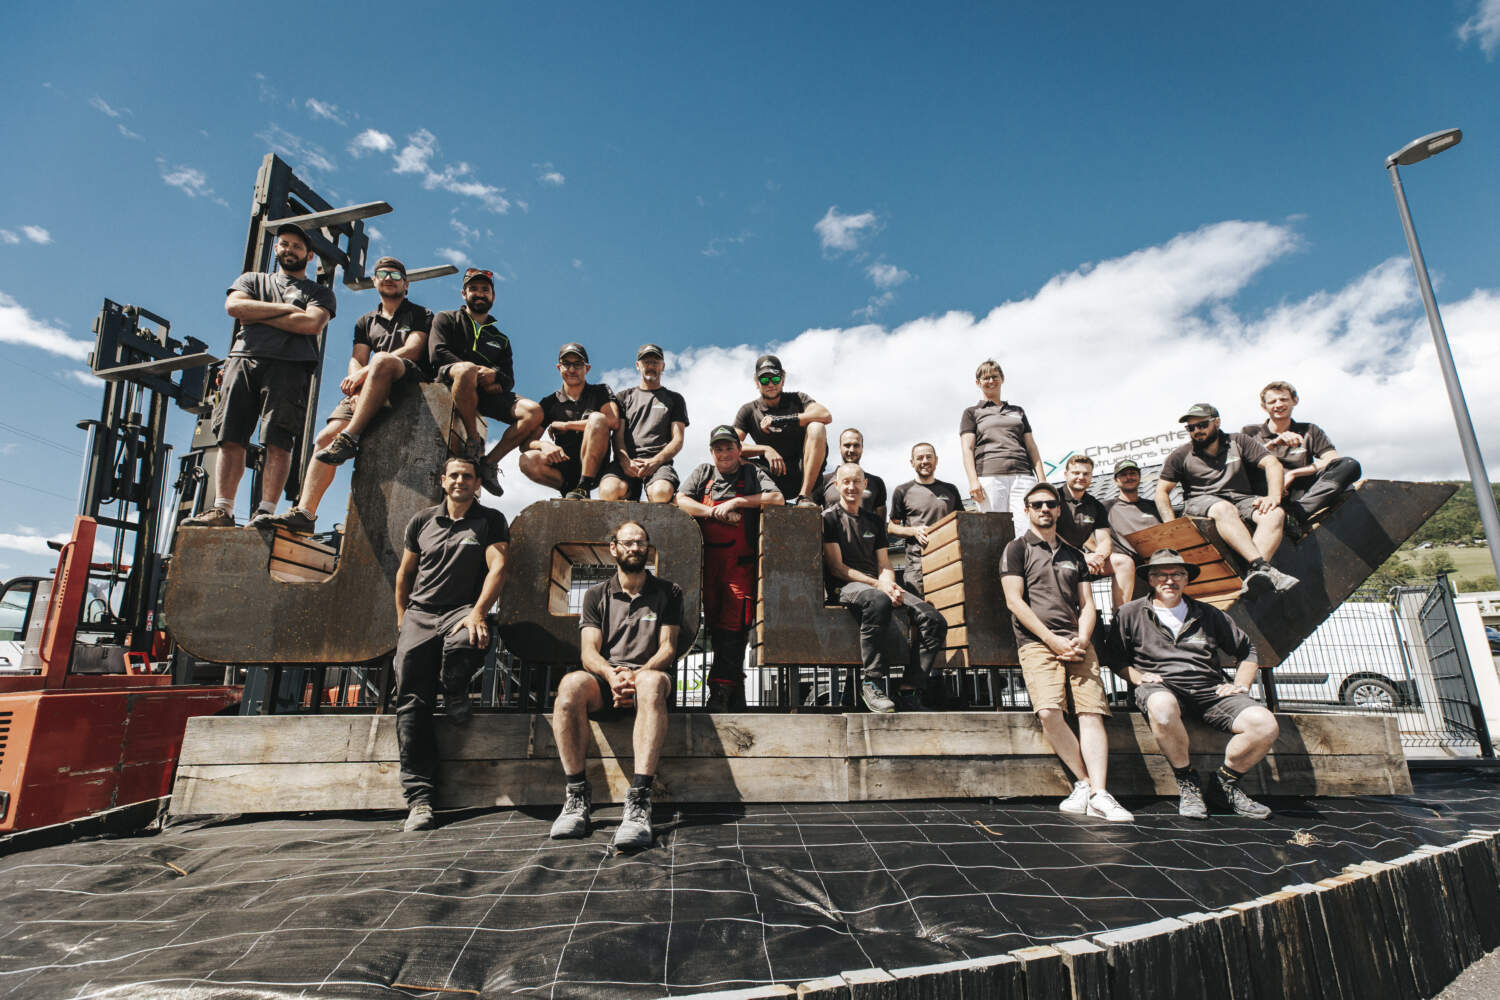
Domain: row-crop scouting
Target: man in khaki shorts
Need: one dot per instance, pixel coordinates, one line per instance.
(1052, 609)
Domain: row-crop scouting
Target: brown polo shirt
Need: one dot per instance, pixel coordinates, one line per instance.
(630, 627)
(1202, 474)
(1051, 575)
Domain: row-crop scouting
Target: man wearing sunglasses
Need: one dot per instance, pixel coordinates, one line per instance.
(268, 374)
(653, 420)
(1051, 604)
(1173, 646)
(579, 419)
(851, 450)
(1213, 469)
(390, 344)
(789, 434)
(470, 353)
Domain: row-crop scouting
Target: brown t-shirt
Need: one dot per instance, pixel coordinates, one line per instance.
(630, 627)
(1202, 474)
(1051, 575)
(1314, 443)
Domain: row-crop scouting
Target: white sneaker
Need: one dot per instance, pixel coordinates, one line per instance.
(1103, 805)
(1077, 800)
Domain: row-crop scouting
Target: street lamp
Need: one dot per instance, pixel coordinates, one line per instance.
(1415, 152)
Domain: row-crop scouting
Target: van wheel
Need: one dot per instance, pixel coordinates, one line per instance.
(1370, 692)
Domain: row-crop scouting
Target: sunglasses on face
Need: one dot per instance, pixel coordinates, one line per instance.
(1042, 504)
(1198, 425)
(571, 365)
(390, 276)
(770, 380)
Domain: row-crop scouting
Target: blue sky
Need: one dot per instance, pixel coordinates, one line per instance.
(1130, 208)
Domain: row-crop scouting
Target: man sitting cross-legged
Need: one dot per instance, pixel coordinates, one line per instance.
(1173, 645)
(627, 636)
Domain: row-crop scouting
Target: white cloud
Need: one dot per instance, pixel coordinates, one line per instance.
(371, 141)
(374, 234)
(87, 378)
(455, 257)
(577, 264)
(9, 448)
(466, 234)
(9, 237)
(1152, 330)
(886, 275)
(547, 175)
(838, 232)
(322, 109)
(416, 158)
(1483, 27)
(99, 104)
(37, 234)
(719, 245)
(872, 307)
(35, 545)
(133, 136)
(307, 155)
(189, 180)
(18, 326)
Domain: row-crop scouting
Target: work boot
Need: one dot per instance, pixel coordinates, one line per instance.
(634, 832)
(573, 821)
(296, 520)
(576, 493)
(213, 517)
(419, 818)
(489, 478)
(1242, 804)
(1077, 801)
(907, 700)
(875, 699)
(719, 696)
(339, 450)
(1190, 798)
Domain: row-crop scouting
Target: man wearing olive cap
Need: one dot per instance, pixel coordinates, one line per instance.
(578, 419)
(649, 435)
(390, 344)
(1213, 470)
(1172, 646)
(267, 378)
(789, 434)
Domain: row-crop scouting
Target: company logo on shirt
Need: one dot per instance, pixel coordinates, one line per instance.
(648, 616)
(867, 534)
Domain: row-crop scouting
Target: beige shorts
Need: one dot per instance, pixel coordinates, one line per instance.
(1048, 678)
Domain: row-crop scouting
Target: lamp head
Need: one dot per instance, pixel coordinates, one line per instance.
(1420, 149)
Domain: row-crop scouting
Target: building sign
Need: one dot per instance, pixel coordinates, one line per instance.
(1145, 451)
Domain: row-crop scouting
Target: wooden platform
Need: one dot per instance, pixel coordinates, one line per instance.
(258, 764)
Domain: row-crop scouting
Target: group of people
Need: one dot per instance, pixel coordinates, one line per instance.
(584, 439)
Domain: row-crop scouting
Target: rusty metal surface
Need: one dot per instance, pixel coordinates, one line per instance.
(222, 605)
(529, 627)
(982, 539)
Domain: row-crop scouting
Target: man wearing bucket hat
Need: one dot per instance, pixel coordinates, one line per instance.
(1213, 468)
(1172, 646)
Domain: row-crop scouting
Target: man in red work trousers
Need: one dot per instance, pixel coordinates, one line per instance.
(726, 496)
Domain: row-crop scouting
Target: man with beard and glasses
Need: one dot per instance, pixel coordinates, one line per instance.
(851, 450)
(452, 571)
(267, 376)
(916, 506)
(1128, 513)
(648, 436)
(1213, 469)
(578, 418)
(790, 439)
(1174, 647)
(856, 561)
(727, 496)
(627, 637)
(1046, 587)
(470, 353)
(1316, 474)
(390, 344)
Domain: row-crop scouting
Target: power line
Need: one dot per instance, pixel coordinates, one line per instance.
(10, 359)
(39, 439)
(36, 489)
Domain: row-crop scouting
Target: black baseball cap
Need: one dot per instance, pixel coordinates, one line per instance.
(768, 363)
(296, 230)
(391, 264)
(1125, 465)
(1199, 411)
(478, 274)
(648, 349)
(1048, 487)
(574, 348)
(723, 432)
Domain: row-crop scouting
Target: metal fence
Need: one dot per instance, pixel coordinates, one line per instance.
(1395, 653)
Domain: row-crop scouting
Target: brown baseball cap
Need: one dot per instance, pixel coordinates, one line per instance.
(390, 264)
(1199, 411)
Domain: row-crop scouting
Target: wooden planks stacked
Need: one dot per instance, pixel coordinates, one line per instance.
(1198, 542)
(301, 558)
(961, 578)
(252, 764)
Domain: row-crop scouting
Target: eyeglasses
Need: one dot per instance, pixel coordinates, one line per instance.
(390, 276)
(475, 272)
(770, 380)
(1042, 504)
(1198, 425)
(571, 365)
(1172, 574)
(622, 544)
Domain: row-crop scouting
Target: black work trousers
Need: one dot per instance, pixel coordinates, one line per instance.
(1324, 488)
(432, 651)
(875, 610)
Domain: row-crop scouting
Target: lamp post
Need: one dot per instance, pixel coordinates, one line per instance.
(1415, 152)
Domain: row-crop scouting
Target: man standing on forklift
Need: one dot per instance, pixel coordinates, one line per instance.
(390, 344)
(267, 376)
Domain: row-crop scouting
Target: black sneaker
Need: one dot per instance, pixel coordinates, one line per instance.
(634, 832)
(908, 700)
(419, 818)
(296, 520)
(339, 450)
(1190, 798)
(489, 478)
(875, 699)
(214, 517)
(576, 493)
(573, 821)
(1242, 804)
